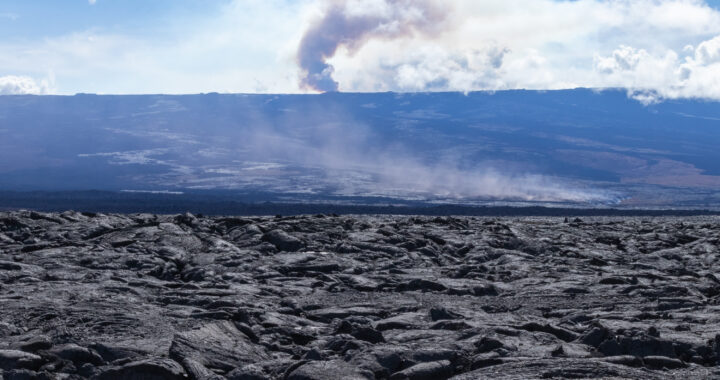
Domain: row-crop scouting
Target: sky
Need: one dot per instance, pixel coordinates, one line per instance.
(655, 48)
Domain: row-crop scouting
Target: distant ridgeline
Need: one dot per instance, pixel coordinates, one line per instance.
(228, 203)
(569, 147)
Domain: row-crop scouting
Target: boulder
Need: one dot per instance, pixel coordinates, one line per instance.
(438, 370)
(283, 241)
(150, 369)
(329, 370)
(12, 359)
(217, 345)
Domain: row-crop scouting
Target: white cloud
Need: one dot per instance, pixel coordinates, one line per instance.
(547, 44)
(708, 52)
(22, 85)
(92, 2)
(651, 77)
(434, 68)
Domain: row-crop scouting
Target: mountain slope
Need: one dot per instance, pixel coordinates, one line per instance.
(577, 146)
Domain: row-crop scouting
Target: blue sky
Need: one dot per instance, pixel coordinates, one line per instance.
(45, 18)
(190, 46)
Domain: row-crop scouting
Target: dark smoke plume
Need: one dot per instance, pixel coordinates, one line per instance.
(346, 23)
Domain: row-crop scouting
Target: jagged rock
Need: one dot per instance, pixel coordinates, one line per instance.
(111, 353)
(26, 374)
(486, 344)
(487, 359)
(328, 370)
(662, 362)
(382, 360)
(628, 360)
(197, 371)
(637, 346)
(108, 295)
(438, 313)
(217, 345)
(34, 344)
(438, 370)
(248, 372)
(595, 336)
(400, 322)
(77, 354)
(556, 369)
(559, 332)
(365, 333)
(422, 285)
(12, 359)
(328, 314)
(283, 241)
(150, 369)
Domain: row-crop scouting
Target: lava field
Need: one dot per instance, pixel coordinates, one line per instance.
(144, 296)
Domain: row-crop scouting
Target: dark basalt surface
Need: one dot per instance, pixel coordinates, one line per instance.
(326, 297)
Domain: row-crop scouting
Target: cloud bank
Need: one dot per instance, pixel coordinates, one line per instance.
(665, 47)
(22, 85)
(692, 73)
(656, 48)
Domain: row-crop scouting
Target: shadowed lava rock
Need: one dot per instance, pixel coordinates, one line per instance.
(283, 241)
(145, 369)
(145, 296)
(218, 345)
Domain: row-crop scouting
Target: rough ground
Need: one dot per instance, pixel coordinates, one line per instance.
(326, 297)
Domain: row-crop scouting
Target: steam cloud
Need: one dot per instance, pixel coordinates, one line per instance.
(355, 163)
(351, 23)
(324, 150)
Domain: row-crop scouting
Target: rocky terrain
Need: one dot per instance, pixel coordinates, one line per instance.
(340, 297)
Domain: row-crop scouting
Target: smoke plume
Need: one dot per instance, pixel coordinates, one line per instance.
(351, 23)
